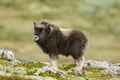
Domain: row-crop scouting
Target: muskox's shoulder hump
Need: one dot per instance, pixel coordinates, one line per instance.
(78, 32)
(66, 32)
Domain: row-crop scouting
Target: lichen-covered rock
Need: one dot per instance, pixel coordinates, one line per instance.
(49, 70)
(8, 55)
(112, 68)
(96, 64)
(101, 70)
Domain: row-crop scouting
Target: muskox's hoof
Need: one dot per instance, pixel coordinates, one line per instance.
(46, 69)
(76, 71)
(49, 70)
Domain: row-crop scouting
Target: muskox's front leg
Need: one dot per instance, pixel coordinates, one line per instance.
(53, 61)
(50, 68)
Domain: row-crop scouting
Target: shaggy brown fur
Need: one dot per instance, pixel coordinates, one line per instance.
(53, 40)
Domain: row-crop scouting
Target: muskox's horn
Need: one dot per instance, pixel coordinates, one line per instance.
(51, 28)
(35, 23)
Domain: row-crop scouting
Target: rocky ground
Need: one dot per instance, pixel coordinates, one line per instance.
(93, 70)
(12, 69)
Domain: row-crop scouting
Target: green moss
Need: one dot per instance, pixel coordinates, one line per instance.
(66, 67)
(31, 71)
(54, 75)
(13, 78)
(3, 58)
(30, 65)
(97, 73)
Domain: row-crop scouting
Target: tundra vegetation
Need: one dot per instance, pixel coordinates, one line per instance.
(99, 19)
(27, 71)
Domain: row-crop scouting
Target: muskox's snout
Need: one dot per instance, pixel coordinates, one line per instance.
(36, 38)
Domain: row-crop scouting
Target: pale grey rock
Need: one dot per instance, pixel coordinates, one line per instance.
(8, 54)
(117, 64)
(48, 69)
(112, 68)
(96, 64)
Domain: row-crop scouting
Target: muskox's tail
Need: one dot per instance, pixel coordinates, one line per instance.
(84, 43)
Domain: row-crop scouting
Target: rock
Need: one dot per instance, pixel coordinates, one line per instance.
(96, 64)
(117, 64)
(48, 70)
(8, 55)
(113, 68)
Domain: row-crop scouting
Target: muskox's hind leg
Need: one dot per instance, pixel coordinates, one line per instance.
(79, 62)
(79, 59)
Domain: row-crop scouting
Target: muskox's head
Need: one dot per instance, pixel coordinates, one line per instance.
(42, 30)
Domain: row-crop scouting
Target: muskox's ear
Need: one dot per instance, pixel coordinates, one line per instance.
(34, 23)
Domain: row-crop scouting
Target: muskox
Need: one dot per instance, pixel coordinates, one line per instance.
(55, 40)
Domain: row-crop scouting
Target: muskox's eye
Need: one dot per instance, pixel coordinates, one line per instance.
(40, 29)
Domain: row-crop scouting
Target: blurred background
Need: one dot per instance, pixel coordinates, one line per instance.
(99, 19)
